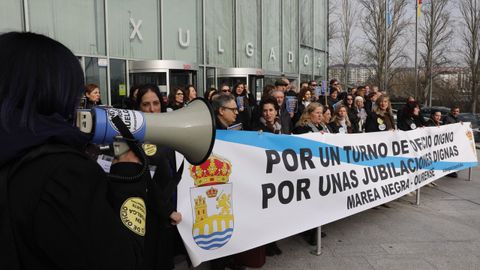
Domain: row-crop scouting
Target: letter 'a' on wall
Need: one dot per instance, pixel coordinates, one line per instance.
(219, 37)
(248, 34)
(272, 36)
(182, 38)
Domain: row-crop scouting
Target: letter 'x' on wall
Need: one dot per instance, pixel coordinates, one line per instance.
(136, 29)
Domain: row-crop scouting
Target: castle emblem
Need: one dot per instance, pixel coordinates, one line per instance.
(212, 198)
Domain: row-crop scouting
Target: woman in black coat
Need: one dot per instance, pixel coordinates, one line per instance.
(59, 210)
(381, 119)
(340, 122)
(311, 119)
(163, 171)
(411, 118)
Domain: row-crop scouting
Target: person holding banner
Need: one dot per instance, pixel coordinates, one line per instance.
(311, 119)
(435, 119)
(340, 122)
(327, 116)
(411, 118)
(269, 121)
(381, 119)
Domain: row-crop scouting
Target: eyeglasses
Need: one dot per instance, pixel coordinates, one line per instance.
(314, 85)
(226, 90)
(234, 110)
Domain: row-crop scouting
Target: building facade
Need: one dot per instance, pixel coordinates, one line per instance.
(197, 39)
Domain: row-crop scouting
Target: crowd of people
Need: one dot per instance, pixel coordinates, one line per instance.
(60, 210)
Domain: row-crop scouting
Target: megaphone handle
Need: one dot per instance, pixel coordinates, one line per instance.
(128, 142)
(120, 147)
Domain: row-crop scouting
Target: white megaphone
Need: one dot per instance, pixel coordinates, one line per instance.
(190, 130)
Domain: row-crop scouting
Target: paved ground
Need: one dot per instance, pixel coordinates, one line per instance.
(443, 232)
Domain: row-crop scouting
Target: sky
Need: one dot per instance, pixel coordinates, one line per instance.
(359, 37)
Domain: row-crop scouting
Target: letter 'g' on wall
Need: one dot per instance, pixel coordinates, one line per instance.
(249, 49)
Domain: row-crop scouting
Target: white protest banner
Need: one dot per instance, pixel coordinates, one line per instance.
(259, 187)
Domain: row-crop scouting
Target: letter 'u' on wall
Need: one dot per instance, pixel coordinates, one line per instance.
(184, 42)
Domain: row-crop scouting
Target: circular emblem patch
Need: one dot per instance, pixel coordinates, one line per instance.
(150, 149)
(379, 121)
(382, 127)
(413, 126)
(134, 215)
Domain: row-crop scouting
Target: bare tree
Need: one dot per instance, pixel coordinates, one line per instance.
(470, 10)
(347, 23)
(373, 23)
(435, 35)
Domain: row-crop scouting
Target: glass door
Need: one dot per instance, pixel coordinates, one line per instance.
(157, 78)
(182, 78)
(255, 85)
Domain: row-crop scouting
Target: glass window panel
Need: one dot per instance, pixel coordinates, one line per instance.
(97, 75)
(219, 37)
(133, 29)
(248, 34)
(290, 36)
(272, 35)
(11, 16)
(118, 82)
(320, 20)
(320, 64)
(306, 61)
(180, 35)
(306, 29)
(77, 24)
(201, 82)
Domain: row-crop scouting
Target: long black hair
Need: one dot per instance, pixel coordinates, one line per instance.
(38, 75)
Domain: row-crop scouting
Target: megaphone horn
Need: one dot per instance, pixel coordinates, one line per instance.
(190, 130)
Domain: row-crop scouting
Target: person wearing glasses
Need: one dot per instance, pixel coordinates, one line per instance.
(175, 99)
(225, 109)
(348, 101)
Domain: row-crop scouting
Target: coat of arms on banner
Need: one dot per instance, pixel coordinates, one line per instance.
(212, 201)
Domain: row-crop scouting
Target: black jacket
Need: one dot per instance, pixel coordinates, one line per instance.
(410, 123)
(373, 124)
(67, 214)
(450, 119)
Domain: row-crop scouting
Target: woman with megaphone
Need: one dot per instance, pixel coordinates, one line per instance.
(58, 208)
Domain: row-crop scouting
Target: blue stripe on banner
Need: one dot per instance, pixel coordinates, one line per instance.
(214, 246)
(212, 234)
(282, 142)
(214, 240)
